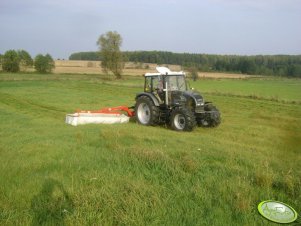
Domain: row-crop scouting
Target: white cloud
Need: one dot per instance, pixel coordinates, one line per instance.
(264, 4)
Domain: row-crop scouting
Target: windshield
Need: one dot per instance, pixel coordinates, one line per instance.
(176, 83)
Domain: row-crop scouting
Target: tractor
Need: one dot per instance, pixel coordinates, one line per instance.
(168, 100)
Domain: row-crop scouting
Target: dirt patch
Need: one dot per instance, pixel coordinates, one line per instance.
(224, 75)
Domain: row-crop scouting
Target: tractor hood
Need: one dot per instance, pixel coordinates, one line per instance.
(182, 98)
(196, 96)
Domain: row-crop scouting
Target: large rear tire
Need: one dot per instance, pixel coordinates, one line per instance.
(147, 113)
(182, 119)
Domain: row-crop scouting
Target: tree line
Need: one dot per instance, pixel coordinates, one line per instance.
(15, 61)
(278, 65)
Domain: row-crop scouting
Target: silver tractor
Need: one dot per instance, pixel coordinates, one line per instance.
(167, 100)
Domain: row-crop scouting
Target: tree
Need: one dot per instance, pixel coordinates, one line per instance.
(44, 64)
(1, 57)
(112, 60)
(24, 59)
(193, 72)
(10, 61)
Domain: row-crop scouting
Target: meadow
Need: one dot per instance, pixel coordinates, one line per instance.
(126, 174)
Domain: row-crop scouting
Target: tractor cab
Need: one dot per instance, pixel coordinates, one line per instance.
(165, 85)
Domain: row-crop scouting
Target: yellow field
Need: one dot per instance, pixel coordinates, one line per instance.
(93, 67)
(131, 68)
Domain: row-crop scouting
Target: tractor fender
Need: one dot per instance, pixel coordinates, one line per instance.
(151, 96)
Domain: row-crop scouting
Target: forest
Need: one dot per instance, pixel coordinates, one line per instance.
(277, 65)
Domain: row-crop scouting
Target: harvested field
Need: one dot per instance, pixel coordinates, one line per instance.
(93, 67)
(224, 75)
(131, 68)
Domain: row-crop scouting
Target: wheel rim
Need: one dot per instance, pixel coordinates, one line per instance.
(179, 121)
(143, 113)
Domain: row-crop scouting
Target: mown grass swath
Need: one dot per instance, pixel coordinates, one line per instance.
(53, 173)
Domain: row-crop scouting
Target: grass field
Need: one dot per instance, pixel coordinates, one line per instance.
(55, 174)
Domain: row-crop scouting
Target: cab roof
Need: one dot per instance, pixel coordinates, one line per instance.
(164, 71)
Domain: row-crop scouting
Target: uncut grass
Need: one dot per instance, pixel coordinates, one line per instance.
(269, 88)
(53, 173)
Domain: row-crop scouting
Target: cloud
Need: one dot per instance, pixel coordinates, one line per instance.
(263, 4)
(212, 26)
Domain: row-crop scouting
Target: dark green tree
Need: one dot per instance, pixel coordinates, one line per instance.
(1, 57)
(193, 71)
(279, 65)
(25, 59)
(112, 60)
(85, 56)
(10, 61)
(44, 64)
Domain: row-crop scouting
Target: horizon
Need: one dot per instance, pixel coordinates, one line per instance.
(195, 53)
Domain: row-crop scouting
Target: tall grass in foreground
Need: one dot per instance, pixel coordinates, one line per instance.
(55, 174)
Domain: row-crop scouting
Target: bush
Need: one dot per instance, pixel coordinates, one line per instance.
(193, 71)
(1, 57)
(25, 58)
(10, 61)
(44, 64)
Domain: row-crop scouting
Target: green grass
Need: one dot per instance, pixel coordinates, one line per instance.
(273, 88)
(126, 174)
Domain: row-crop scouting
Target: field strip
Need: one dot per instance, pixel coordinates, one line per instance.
(255, 97)
(133, 85)
(24, 104)
(51, 78)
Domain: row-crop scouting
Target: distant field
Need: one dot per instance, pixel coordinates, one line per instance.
(131, 68)
(271, 88)
(278, 89)
(93, 67)
(55, 174)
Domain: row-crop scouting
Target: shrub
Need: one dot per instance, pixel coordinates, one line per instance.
(10, 61)
(193, 71)
(44, 64)
(25, 58)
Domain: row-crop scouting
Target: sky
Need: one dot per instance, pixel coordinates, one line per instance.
(241, 27)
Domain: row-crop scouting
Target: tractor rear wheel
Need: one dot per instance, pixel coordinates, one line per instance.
(182, 119)
(146, 112)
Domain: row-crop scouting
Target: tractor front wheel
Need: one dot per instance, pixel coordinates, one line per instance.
(212, 117)
(182, 119)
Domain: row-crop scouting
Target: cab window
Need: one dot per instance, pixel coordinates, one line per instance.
(148, 84)
(153, 84)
